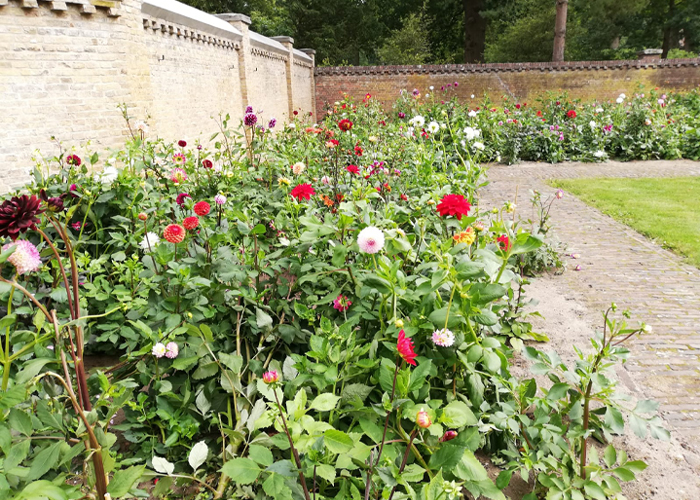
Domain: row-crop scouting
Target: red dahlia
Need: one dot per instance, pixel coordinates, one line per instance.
(353, 169)
(345, 125)
(180, 200)
(73, 160)
(190, 223)
(207, 163)
(303, 191)
(453, 204)
(182, 143)
(405, 348)
(571, 113)
(174, 233)
(202, 208)
(18, 214)
(504, 242)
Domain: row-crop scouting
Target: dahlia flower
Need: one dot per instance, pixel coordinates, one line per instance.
(180, 159)
(250, 119)
(342, 303)
(271, 377)
(283, 181)
(159, 350)
(433, 127)
(345, 125)
(417, 121)
(370, 240)
(149, 241)
(25, 258)
(423, 419)
(504, 242)
(18, 214)
(202, 208)
(472, 113)
(353, 169)
(177, 175)
(479, 145)
(73, 160)
(404, 346)
(190, 223)
(108, 175)
(325, 180)
(180, 200)
(467, 236)
(174, 233)
(207, 163)
(172, 350)
(272, 123)
(142, 216)
(453, 204)
(443, 338)
(298, 167)
(219, 199)
(303, 191)
(182, 143)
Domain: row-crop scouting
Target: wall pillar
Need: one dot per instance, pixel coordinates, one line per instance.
(288, 43)
(241, 22)
(312, 54)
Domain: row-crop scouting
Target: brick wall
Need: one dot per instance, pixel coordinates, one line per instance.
(588, 80)
(66, 65)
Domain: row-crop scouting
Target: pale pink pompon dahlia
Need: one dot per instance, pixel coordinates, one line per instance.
(25, 258)
(370, 240)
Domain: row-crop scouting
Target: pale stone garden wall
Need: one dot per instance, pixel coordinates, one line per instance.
(65, 66)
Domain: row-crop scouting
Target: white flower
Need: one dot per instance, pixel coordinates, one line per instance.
(427, 95)
(433, 127)
(498, 157)
(647, 122)
(622, 96)
(479, 145)
(431, 87)
(409, 132)
(619, 100)
(372, 138)
(443, 338)
(142, 126)
(325, 180)
(599, 154)
(472, 96)
(159, 350)
(298, 167)
(417, 121)
(370, 240)
(472, 133)
(599, 109)
(149, 242)
(592, 124)
(291, 125)
(108, 175)
(472, 113)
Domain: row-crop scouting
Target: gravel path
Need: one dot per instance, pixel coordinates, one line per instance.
(619, 265)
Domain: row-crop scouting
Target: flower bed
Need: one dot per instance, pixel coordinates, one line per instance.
(325, 312)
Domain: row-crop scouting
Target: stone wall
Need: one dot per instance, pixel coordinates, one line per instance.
(589, 80)
(65, 66)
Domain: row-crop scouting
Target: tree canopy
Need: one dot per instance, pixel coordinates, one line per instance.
(354, 32)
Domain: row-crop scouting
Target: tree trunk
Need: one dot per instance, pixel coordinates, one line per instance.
(474, 31)
(666, 46)
(560, 31)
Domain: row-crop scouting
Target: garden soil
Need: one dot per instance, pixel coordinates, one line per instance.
(673, 471)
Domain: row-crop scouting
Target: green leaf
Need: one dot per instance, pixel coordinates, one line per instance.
(354, 391)
(162, 465)
(260, 454)
(20, 421)
(558, 391)
(44, 460)
(434, 489)
(241, 470)
(446, 457)
(593, 490)
(4, 255)
(327, 472)
(124, 480)
(198, 455)
(31, 368)
(263, 320)
(337, 441)
(276, 487)
(624, 473)
(232, 361)
(458, 414)
(419, 375)
(610, 456)
(41, 490)
(12, 396)
(614, 420)
(205, 371)
(371, 429)
(324, 402)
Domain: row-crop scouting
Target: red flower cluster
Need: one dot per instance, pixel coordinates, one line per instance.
(405, 348)
(303, 191)
(353, 169)
(202, 208)
(190, 223)
(453, 204)
(358, 151)
(174, 233)
(345, 125)
(571, 113)
(504, 242)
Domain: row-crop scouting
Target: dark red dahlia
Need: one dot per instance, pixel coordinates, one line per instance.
(180, 200)
(303, 191)
(18, 214)
(182, 143)
(54, 203)
(453, 204)
(345, 125)
(206, 163)
(73, 160)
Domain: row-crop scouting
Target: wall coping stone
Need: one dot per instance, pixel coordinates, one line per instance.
(179, 13)
(304, 55)
(233, 17)
(283, 39)
(503, 67)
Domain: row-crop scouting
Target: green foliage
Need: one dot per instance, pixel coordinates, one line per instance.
(407, 45)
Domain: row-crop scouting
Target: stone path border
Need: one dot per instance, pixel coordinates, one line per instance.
(619, 265)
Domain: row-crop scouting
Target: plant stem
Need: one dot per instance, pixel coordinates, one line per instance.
(295, 453)
(405, 459)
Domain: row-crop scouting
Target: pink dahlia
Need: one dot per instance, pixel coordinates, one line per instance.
(178, 176)
(342, 303)
(25, 258)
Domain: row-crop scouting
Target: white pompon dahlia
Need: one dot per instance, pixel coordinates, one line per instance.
(25, 258)
(159, 350)
(370, 240)
(150, 241)
(443, 338)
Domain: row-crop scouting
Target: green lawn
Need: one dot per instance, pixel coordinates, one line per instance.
(666, 210)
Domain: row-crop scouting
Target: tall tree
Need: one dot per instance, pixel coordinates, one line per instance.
(560, 30)
(474, 31)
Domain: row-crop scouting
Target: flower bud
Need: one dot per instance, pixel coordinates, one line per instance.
(423, 419)
(271, 377)
(448, 436)
(398, 323)
(143, 216)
